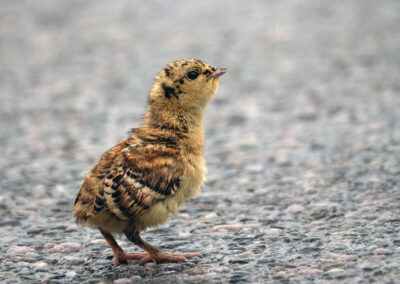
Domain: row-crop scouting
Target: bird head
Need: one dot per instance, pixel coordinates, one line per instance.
(186, 84)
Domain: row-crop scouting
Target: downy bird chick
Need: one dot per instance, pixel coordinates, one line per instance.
(141, 181)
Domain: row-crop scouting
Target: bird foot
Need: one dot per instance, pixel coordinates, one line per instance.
(158, 257)
(123, 258)
(165, 256)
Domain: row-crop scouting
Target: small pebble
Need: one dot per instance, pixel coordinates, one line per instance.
(65, 247)
(336, 272)
(123, 244)
(319, 212)
(367, 266)
(8, 274)
(350, 257)
(280, 275)
(381, 251)
(49, 245)
(246, 254)
(184, 216)
(97, 242)
(185, 235)
(253, 168)
(314, 224)
(71, 246)
(211, 215)
(71, 274)
(395, 265)
(328, 261)
(295, 209)
(39, 265)
(23, 251)
(322, 281)
(122, 281)
(72, 227)
(229, 228)
(222, 269)
(203, 277)
(72, 260)
(309, 271)
(272, 232)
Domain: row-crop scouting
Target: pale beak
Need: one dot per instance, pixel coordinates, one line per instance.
(217, 73)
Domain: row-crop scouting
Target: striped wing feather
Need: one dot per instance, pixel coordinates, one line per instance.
(144, 177)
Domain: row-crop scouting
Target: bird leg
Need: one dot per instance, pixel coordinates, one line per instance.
(119, 256)
(154, 253)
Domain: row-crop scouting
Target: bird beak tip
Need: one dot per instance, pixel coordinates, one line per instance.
(218, 72)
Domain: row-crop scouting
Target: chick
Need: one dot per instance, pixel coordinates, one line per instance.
(141, 181)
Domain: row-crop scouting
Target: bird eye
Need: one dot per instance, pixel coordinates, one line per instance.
(192, 75)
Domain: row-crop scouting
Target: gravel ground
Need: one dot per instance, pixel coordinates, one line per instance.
(302, 140)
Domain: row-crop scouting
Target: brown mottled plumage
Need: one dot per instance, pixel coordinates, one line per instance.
(148, 175)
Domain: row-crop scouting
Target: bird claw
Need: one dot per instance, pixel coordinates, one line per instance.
(165, 256)
(123, 258)
(159, 257)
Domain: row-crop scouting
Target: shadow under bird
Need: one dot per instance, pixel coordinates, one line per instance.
(141, 181)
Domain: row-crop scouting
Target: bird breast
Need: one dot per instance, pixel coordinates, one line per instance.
(191, 183)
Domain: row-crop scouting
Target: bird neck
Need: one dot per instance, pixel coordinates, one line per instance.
(177, 123)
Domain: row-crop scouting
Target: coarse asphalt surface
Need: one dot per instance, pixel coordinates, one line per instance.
(302, 139)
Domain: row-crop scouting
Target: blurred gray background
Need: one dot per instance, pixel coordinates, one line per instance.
(302, 139)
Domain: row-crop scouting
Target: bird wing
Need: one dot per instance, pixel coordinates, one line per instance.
(142, 177)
